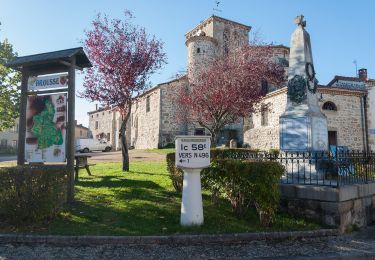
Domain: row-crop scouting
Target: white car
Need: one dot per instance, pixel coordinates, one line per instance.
(88, 145)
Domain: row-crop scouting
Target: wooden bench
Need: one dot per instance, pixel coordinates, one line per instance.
(81, 163)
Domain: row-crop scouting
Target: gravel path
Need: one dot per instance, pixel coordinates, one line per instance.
(341, 247)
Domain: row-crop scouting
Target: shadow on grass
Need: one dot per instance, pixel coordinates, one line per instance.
(115, 182)
(135, 217)
(147, 173)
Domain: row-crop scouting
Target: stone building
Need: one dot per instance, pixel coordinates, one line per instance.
(9, 138)
(81, 132)
(105, 123)
(347, 102)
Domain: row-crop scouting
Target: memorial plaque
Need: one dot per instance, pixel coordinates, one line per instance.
(294, 134)
(319, 134)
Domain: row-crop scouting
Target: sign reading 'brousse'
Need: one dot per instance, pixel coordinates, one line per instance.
(193, 151)
(48, 82)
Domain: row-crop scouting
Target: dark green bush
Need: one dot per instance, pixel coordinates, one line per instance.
(246, 183)
(274, 152)
(176, 174)
(168, 146)
(31, 193)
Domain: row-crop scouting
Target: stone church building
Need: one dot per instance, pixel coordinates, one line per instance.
(348, 102)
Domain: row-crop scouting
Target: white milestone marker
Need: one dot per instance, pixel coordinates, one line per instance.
(192, 155)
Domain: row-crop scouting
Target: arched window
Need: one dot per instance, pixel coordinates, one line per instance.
(329, 106)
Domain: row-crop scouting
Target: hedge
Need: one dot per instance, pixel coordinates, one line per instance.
(31, 193)
(176, 174)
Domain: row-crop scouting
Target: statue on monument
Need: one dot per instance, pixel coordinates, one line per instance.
(303, 125)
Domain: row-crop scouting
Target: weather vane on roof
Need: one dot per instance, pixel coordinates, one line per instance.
(216, 8)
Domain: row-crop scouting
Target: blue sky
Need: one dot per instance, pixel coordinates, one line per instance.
(341, 30)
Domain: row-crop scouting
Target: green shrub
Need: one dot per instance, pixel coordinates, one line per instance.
(168, 146)
(31, 193)
(246, 183)
(176, 174)
(274, 152)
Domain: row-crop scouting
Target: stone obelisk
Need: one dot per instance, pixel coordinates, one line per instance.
(303, 127)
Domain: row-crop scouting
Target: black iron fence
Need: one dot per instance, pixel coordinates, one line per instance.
(328, 169)
(319, 168)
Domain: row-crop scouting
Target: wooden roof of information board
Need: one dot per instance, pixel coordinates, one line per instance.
(51, 60)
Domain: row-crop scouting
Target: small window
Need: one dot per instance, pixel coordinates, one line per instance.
(250, 121)
(148, 104)
(199, 131)
(96, 124)
(92, 116)
(103, 114)
(108, 137)
(97, 115)
(329, 106)
(80, 133)
(264, 116)
(198, 50)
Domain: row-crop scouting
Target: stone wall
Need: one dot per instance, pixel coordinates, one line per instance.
(347, 120)
(345, 207)
(145, 125)
(169, 125)
(201, 54)
(265, 137)
(371, 116)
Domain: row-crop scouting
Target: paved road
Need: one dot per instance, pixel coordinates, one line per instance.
(354, 246)
(134, 155)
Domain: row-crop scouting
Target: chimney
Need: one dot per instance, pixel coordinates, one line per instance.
(96, 106)
(362, 74)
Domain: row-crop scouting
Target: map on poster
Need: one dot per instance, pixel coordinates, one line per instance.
(46, 128)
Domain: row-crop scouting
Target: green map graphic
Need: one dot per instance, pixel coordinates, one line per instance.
(44, 128)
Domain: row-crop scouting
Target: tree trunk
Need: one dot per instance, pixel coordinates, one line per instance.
(124, 145)
(213, 140)
(124, 148)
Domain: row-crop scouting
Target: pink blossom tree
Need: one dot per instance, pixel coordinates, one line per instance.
(229, 88)
(123, 57)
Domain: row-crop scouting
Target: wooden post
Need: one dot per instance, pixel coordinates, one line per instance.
(70, 151)
(22, 123)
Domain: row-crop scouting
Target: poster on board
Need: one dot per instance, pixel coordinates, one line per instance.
(46, 128)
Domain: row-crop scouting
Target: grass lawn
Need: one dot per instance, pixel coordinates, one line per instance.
(143, 202)
(161, 151)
